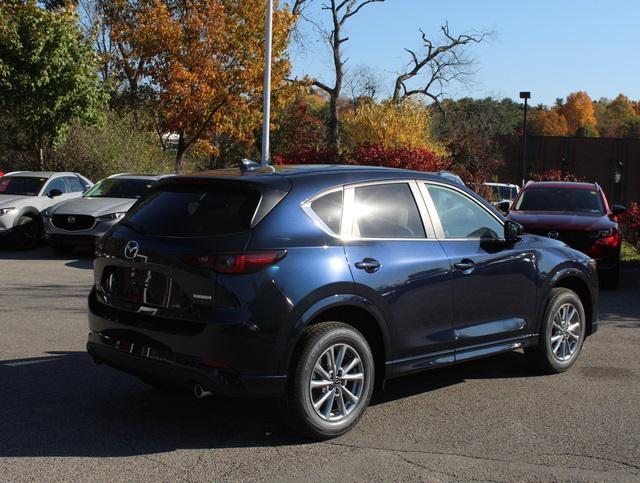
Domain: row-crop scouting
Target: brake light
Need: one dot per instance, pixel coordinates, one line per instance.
(236, 263)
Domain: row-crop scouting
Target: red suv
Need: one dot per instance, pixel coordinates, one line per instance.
(577, 214)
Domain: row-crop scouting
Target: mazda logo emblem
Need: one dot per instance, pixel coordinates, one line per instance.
(71, 220)
(131, 250)
(553, 234)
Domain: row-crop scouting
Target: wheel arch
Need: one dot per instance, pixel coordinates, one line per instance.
(574, 280)
(352, 310)
(27, 211)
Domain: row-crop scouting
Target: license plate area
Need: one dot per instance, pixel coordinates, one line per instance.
(141, 286)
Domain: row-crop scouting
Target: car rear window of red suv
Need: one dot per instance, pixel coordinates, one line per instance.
(572, 200)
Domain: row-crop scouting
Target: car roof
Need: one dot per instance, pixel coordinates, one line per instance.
(561, 184)
(39, 174)
(146, 177)
(296, 171)
(508, 185)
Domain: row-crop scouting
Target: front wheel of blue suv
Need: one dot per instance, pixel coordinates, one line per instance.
(331, 382)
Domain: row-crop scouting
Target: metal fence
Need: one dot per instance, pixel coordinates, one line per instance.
(613, 163)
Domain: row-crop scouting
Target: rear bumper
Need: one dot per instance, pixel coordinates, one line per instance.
(218, 357)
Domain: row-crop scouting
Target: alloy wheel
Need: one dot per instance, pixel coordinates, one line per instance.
(566, 330)
(337, 382)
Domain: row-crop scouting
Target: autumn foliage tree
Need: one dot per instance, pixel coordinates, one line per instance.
(579, 111)
(205, 59)
(549, 123)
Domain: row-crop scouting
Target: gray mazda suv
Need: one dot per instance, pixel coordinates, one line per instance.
(79, 222)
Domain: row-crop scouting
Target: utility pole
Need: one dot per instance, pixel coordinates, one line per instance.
(266, 104)
(526, 96)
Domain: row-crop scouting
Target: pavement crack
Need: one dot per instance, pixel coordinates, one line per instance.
(599, 458)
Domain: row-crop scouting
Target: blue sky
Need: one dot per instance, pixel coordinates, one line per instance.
(550, 48)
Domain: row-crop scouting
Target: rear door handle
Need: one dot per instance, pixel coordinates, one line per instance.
(369, 265)
(465, 265)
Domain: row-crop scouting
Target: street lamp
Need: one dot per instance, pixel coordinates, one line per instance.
(266, 103)
(526, 96)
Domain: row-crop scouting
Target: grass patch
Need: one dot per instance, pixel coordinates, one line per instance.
(629, 254)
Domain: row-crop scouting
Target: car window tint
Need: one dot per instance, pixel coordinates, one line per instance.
(195, 211)
(56, 184)
(386, 211)
(21, 185)
(75, 186)
(329, 209)
(461, 217)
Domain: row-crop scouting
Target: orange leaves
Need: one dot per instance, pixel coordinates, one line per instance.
(579, 111)
(549, 123)
(205, 60)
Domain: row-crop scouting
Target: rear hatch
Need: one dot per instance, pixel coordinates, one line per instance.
(161, 262)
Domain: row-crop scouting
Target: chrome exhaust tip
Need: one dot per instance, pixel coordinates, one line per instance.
(199, 392)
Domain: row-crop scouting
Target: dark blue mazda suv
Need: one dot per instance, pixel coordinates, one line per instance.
(315, 284)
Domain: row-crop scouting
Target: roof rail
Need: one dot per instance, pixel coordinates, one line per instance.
(249, 166)
(15, 172)
(117, 174)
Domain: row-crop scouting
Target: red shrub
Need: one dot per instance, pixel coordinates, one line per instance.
(630, 224)
(308, 156)
(405, 157)
(556, 175)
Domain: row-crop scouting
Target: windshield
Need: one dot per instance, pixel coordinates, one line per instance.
(561, 199)
(120, 188)
(21, 185)
(195, 211)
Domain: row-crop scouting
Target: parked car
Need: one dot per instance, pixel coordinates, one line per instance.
(24, 194)
(577, 214)
(80, 221)
(501, 192)
(315, 283)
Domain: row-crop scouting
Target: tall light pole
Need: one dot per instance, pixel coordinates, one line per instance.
(526, 96)
(266, 103)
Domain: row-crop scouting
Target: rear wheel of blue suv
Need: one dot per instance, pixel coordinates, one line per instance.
(316, 284)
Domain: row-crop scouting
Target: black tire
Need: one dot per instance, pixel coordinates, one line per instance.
(26, 233)
(610, 279)
(543, 355)
(297, 404)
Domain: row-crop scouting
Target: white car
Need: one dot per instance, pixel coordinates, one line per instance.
(502, 192)
(25, 194)
(79, 222)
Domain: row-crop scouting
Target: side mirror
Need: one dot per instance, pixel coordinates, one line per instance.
(618, 210)
(512, 231)
(504, 206)
(53, 193)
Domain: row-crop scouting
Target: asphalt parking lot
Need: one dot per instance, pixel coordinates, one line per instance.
(61, 418)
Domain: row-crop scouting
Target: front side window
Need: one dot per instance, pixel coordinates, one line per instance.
(21, 185)
(461, 217)
(120, 188)
(329, 209)
(386, 211)
(561, 199)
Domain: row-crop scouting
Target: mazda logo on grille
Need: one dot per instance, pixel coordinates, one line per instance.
(553, 234)
(71, 220)
(131, 250)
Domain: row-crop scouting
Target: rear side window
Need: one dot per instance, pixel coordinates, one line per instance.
(75, 186)
(195, 211)
(329, 209)
(386, 211)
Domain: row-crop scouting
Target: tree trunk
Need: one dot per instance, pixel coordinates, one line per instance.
(334, 95)
(40, 154)
(182, 148)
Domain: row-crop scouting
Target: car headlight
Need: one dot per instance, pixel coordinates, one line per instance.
(46, 214)
(605, 233)
(6, 211)
(111, 216)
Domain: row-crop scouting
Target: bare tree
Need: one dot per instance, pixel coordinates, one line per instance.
(340, 12)
(362, 82)
(441, 63)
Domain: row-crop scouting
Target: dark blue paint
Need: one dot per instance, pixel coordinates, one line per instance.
(428, 312)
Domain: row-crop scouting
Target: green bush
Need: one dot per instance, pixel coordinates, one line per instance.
(116, 145)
